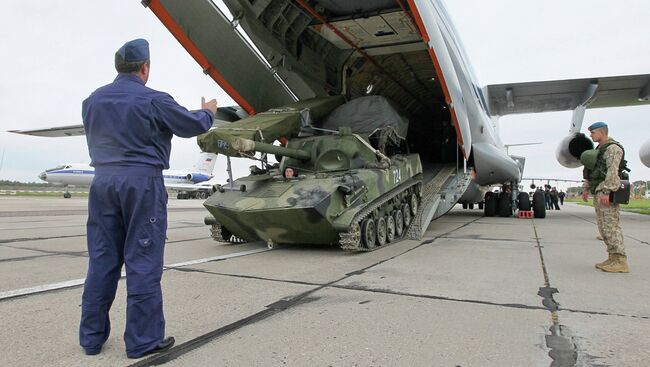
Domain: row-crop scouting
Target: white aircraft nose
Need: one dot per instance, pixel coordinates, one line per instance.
(43, 176)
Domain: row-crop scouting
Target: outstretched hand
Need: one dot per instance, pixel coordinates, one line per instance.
(210, 105)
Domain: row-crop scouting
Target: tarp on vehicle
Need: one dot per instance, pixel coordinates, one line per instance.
(365, 115)
(269, 126)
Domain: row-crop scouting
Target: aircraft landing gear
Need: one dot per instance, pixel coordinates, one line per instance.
(67, 194)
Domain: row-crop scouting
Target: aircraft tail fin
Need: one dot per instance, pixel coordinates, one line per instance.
(206, 163)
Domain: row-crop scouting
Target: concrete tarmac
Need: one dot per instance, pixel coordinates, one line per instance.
(475, 291)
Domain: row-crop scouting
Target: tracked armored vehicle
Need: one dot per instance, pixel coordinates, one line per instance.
(344, 176)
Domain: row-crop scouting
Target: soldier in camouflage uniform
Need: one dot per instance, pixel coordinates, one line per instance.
(601, 181)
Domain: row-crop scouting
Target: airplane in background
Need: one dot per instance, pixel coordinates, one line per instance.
(189, 184)
(272, 53)
(192, 183)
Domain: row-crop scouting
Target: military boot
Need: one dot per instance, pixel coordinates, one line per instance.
(618, 265)
(606, 262)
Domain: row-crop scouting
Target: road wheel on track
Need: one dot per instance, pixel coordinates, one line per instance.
(390, 228)
(414, 205)
(406, 213)
(368, 233)
(381, 231)
(399, 223)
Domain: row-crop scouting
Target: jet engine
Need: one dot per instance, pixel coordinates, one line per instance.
(197, 177)
(644, 153)
(571, 147)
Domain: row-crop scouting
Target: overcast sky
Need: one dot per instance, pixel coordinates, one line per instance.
(55, 53)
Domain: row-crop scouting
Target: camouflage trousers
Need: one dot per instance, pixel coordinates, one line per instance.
(609, 225)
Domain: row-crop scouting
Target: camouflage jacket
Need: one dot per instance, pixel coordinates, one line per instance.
(612, 156)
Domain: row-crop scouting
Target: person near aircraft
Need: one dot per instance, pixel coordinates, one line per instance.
(554, 198)
(601, 180)
(561, 195)
(547, 197)
(129, 128)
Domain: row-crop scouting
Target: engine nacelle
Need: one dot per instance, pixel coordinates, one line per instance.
(571, 147)
(644, 153)
(197, 177)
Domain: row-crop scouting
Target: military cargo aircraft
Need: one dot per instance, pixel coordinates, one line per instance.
(271, 53)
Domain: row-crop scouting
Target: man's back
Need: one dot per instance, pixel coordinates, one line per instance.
(129, 124)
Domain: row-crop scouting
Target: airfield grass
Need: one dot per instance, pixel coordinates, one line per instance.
(641, 206)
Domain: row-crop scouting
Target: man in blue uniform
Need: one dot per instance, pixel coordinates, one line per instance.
(129, 129)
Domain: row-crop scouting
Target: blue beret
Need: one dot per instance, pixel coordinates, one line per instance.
(134, 51)
(597, 125)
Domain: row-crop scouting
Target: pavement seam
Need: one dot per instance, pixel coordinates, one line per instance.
(272, 309)
(624, 235)
(12, 240)
(396, 293)
(75, 283)
(563, 350)
(84, 254)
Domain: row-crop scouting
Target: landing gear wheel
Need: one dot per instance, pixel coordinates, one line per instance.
(67, 195)
(399, 223)
(524, 201)
(381, 231)
(406, 212)
(390, 228)
(464, 205)
(505, 205)
(491, 200)
(481, 205)
(368, 233)
(539, 205)
(471, 205)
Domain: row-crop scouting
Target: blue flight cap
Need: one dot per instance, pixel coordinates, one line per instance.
(135, 50)
(597, 125)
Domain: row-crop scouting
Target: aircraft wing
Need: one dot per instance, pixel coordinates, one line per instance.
(54, 132)
(223, 116)
(561, 95)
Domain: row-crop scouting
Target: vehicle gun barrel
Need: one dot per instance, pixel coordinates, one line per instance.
(247, 145)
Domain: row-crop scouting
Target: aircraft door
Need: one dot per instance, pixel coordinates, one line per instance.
(428, 20)
(207, 34)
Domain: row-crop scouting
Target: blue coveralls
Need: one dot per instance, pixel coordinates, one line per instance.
(129, 128)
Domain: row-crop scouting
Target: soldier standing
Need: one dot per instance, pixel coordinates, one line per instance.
(603, 179)
(129, 129)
